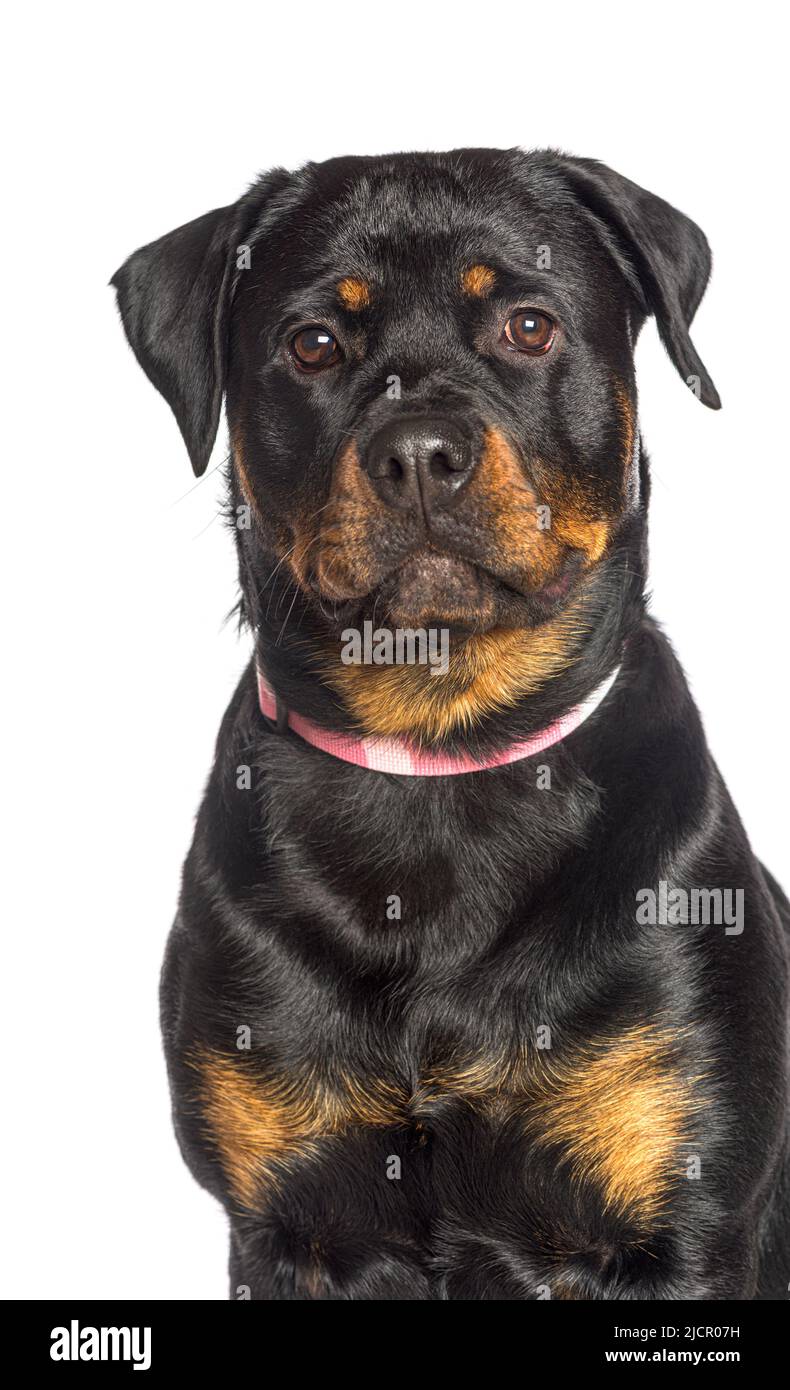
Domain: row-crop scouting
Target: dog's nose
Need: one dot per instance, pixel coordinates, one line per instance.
(419, 460)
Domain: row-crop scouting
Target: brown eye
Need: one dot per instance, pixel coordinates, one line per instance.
(529, 331)
(314, 348)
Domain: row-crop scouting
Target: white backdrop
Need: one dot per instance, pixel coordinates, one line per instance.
(118, 575)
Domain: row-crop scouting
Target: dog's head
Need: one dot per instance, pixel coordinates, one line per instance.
(428, 367)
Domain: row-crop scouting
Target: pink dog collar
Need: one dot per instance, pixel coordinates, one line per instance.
(398, 756)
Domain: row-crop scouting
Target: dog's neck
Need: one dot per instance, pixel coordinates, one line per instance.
(402, 757)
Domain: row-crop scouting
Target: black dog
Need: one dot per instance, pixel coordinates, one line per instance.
(517, 1033)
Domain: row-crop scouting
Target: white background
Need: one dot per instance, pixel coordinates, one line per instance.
(117, 574)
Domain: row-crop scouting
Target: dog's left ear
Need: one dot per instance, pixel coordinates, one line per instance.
(175, 299)
(174, 296)
(664, 255)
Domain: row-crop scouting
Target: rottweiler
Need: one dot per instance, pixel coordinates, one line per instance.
(476, 990)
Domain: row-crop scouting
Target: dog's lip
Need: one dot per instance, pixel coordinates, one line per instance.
(554, 590)
(547, 596)
(425, 554)
(435, 558)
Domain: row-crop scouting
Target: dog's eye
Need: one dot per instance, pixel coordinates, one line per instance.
(529, 331)
(314, 348)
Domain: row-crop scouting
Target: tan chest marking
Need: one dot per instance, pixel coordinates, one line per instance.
(256, 1125)
(620, 1110)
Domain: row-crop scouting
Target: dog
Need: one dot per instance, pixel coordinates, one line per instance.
(476, 990)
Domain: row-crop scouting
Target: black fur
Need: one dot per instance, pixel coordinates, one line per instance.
(518, 904)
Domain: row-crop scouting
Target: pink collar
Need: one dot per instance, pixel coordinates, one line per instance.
(398, 756)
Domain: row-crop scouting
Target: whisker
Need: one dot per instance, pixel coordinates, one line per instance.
(287, 616)
(200, 480)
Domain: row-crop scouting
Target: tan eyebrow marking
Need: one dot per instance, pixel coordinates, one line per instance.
(354, 294)
(478, 281)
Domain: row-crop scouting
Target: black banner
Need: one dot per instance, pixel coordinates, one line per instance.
(154, 1340)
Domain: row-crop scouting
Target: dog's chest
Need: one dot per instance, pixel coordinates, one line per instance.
(608, 1123)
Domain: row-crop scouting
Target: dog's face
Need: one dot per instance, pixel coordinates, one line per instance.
(428, 364)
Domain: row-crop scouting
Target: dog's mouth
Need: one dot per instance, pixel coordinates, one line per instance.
(434, 587)
(437, 587)
(507, 547)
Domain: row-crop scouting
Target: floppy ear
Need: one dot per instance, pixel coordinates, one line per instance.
(664, 255)
(174, 297)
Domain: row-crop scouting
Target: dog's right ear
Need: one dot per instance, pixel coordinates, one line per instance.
(174, 297)
(667, 252)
